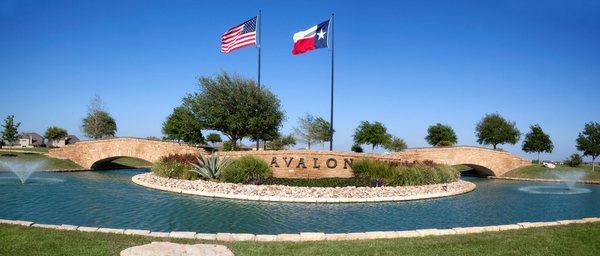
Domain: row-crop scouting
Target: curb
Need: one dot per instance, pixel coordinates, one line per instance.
(470, 187)
(305, 236)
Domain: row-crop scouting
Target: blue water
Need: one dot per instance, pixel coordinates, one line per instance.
(110, 199)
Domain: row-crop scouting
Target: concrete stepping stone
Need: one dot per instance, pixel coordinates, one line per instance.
(173, 249)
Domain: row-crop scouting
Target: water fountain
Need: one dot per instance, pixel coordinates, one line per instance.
(23, 170)
(568, 186)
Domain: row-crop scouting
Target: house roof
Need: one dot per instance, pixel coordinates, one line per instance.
(36, 139)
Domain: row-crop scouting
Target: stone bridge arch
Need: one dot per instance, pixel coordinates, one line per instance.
(484, 161)
(88, 153)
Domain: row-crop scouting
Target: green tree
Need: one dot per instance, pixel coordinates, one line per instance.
(588, 141)
(312, 130)
(54, 133)
(357, 148)
(574, 160)
(98, 123)
(182, 125)
(235, 106)
(374, 134)
(537, 141)
(281, 142)
(10, 129)
(213, 138)
(440, 135)
(395, 144)
(493, 129)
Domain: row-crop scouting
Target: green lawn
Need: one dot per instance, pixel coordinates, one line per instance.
(50, 163)
(131, 162)
(575, 239)
(540, 172)
(37, 149)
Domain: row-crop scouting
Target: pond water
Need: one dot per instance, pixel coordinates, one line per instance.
(110, 199)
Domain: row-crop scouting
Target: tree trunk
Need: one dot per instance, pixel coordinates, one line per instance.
(308, 143)
(257, 144)
(373, 148)
(593, 162)
(495, 146)
(539, 158)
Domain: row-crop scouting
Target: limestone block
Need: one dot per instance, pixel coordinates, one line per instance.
(265, 238)
(139, 232)
(160, 234)
(87, 229)
(182, 234)
(312, 236)
(111, 230)
(206, 236)
(173, 249)
(288, 237)
(67, 227)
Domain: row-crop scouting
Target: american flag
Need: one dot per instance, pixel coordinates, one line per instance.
(239, 36)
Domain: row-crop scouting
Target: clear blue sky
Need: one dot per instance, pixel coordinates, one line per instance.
(408, 64)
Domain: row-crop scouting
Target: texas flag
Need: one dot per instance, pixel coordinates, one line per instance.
(310, 39)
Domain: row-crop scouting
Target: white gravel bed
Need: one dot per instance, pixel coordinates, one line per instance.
(302, 194)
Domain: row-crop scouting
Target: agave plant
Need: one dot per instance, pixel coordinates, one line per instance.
(210, 167)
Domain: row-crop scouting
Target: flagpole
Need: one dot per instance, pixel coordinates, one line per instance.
(331, 110)
(259, 31)
(259, 43)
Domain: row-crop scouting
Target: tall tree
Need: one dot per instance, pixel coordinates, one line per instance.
(312, 130)
(54, 133)
(588, 141)
(374, 134)
(537, 141)
(235, 106)
(10, 129)
(440, 135)
(98, 123)
(395, 144)
(213, 138)
(182, 125)
(493, 129)
(281, 142)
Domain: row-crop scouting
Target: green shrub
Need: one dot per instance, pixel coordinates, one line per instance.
(174, 169)
(404, 174)
(574, 160)
(246, 169)
(229, 146)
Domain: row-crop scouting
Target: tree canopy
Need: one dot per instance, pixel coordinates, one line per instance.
(98, 123)
(537, 141)
(493, 129)
(235, 106)
(588, 141)
(373, 134)
(440, 135)
(312, 129)
(55, 133)
(182, 125)
(213, 138)
(281, 142)
(10, 129)
(395, 144)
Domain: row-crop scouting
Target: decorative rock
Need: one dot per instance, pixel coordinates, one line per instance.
(549, 165)
(280, 193)
(173, 249)
(183, 234)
